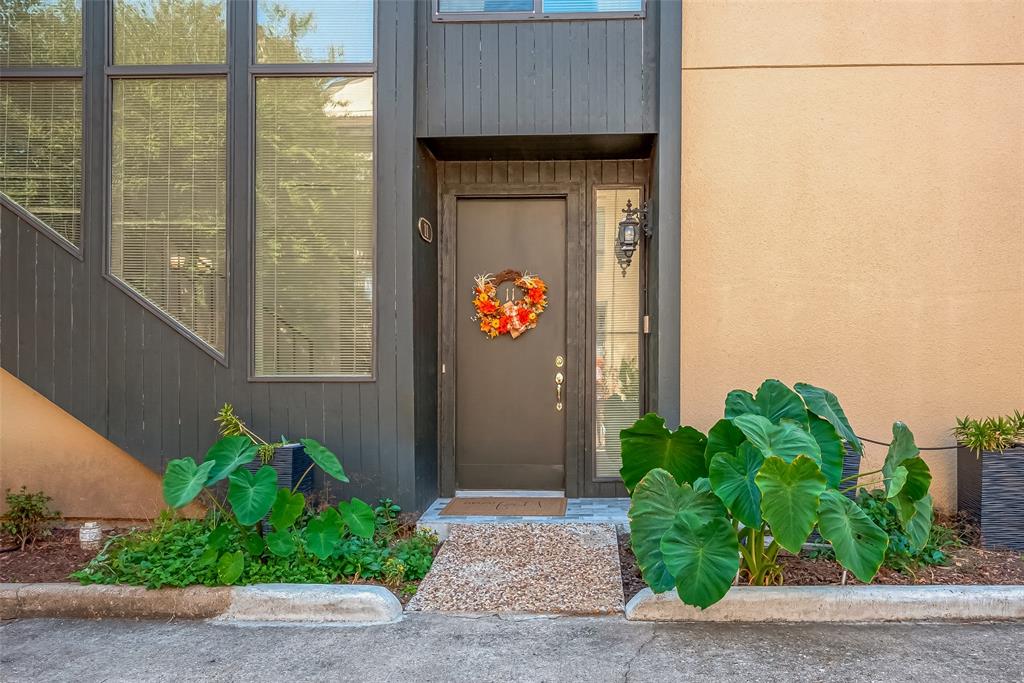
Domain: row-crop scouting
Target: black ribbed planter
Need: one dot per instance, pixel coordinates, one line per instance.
(290, 461)
(988, 488)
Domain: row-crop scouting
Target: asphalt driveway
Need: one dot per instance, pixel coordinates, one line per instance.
(430, 647)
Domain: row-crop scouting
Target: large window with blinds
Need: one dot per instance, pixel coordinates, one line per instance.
(618, 333)
(313, 276)
(41, 76)
(168, 228)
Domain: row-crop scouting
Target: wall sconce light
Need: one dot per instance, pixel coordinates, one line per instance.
(632, 228)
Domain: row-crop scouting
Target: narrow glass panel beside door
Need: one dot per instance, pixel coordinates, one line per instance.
(617, 324)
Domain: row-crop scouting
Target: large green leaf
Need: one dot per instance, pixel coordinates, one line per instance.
(183, 480)
(649, 445)
(656, 501)
(902, 448)
(281, 543)
(824, 403)
(831, 445)
(287, 508)
(228, 454)
(230, 567)
(325, 459)
(774, 401)
(907, 476)
(919, 527)
(323, 533)
(732, 478)
(703, 556)
(785, 440)
(724, 437)
(859, 544)
(251, 495)
(219, 537)
(789, 498)
(740, 402)
(358, 516)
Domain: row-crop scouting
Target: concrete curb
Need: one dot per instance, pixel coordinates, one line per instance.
(353, 604)
(838, 604)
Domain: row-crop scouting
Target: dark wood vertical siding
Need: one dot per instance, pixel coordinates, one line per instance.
(535, 77)
(591, 174)
(70, 333)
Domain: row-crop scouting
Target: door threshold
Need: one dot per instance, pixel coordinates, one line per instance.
(507, 493)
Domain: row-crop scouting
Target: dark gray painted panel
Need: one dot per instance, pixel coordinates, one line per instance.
(535, 76)
(160, 396)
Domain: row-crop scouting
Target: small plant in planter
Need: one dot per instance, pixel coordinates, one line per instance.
(288, 459)
(707, 511)
(990, 472)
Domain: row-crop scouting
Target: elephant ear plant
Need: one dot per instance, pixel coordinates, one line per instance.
(251, 496)
(708, 511)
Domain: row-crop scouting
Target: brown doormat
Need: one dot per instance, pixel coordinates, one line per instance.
(506, 507)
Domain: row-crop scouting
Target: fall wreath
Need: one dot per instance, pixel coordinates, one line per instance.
(514, 316)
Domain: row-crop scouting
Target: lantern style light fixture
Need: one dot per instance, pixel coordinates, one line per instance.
(631, 228)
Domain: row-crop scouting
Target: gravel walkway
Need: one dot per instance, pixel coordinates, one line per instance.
(525, 568)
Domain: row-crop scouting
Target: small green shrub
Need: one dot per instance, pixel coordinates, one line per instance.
(901, 554)
(990, 433)
(29, 516)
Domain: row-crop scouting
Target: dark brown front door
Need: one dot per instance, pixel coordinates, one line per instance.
(509, 430)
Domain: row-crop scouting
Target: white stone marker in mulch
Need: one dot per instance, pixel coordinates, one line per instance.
(525, 568)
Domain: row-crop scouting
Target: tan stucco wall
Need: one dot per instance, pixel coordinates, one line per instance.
(856, 227)
(45, 448)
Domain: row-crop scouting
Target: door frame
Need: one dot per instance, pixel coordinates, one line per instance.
(575, 308)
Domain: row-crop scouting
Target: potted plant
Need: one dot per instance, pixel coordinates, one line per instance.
(289, 460)
(989, 475)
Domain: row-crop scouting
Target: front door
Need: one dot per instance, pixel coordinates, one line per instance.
(510, 426)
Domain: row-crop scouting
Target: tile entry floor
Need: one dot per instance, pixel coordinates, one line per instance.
(578, 511)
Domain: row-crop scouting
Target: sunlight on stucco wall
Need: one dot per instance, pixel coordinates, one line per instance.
(46, 449)
(856, 227)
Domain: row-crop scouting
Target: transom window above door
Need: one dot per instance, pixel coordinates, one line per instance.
(517, 10)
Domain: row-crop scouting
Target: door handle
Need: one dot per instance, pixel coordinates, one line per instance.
(559, 380)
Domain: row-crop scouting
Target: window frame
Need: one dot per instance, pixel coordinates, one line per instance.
(537, 14)
(62, 73)
(113, 72)
(258, 70)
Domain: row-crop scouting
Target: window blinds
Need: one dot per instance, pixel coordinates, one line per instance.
(314, 250)
(168, 197)
(41, 150)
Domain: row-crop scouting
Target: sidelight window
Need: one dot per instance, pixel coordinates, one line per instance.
(618, 333)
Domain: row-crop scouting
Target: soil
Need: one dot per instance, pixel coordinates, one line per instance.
(45, 561)
(967, 565)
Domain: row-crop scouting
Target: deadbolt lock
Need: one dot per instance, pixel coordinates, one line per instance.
(559, 361)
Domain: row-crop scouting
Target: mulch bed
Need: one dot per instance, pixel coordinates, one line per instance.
(968, 565)
(46, 561)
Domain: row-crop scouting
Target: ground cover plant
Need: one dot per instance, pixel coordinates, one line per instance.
(259, 533)
(710, 510)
